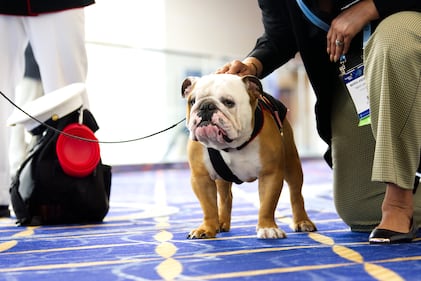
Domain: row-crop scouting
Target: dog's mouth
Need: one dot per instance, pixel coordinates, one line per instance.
(204, 123)
(207, 129)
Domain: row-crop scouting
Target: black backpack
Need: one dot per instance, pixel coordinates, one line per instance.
(42, 194)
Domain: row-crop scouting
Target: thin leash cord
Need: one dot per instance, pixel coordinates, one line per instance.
(85, 139)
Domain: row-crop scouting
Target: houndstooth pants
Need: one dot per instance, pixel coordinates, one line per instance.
(365, 158)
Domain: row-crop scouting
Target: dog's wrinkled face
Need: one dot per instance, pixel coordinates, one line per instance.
(220, 108)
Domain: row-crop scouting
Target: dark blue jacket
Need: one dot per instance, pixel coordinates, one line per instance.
(36, 7)
(288, 31)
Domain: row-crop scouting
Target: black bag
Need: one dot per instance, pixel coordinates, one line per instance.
(42, 194)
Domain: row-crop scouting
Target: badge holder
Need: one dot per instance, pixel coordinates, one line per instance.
(355, 83)
(352, 74)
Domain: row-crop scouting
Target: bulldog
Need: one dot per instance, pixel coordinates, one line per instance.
(225, 118)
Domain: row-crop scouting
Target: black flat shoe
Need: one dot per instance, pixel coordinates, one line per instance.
(385, 236)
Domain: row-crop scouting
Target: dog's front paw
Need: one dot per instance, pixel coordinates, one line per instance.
(201, 233)
(270, 233)
(304, 226)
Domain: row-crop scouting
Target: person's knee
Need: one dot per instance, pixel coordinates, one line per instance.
(360, 216)
(388, 38)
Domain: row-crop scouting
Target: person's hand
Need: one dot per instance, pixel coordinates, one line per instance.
(250, 66)
(346, 25)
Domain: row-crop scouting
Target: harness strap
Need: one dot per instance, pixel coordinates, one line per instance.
(277, 109)
(221, 167)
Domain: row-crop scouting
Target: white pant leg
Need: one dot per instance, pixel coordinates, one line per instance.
(27, 90)
(58, 43)
(12, 48)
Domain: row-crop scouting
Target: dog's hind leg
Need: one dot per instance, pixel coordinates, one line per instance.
(294, 178)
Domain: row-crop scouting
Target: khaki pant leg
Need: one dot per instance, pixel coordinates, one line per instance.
(357, 199)
(393, 73)
(362, 163)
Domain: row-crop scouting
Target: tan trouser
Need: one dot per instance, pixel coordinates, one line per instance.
(393, 70)
(363, 163)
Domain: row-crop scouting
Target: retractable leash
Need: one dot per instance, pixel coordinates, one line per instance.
(86, 139)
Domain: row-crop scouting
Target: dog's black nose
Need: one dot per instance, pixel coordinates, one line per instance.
(206, 111)
(207, 106)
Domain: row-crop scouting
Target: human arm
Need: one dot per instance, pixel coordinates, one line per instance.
(352, 20)
(347, 24)
(249, 66)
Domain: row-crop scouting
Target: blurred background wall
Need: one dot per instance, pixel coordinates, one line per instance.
(140, 52)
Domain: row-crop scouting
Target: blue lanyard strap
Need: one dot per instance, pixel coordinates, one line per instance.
(322, 25)
(312, 17)
(366, 34)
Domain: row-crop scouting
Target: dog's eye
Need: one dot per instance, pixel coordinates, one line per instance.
(228, 103)
(192, 101)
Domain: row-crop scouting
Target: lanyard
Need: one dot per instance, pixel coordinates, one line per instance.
(324, 26)
(312, 17)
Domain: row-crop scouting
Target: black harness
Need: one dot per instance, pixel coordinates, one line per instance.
(265, 102)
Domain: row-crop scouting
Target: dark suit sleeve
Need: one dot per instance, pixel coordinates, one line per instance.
(277, 45)
(388, 7)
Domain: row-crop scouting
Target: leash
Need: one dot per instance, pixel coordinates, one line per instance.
(85, 139)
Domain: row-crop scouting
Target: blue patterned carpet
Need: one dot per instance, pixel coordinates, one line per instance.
(144, 238)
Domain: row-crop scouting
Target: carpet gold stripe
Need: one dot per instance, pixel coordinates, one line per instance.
(376, 271)
(27, 232)
(268, 271)
(169, 269)
(7, 245)
(381, 273)
(347, 253)
(323, 239)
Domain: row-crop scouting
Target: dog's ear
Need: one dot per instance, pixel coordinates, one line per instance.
(253, 84)
(187, 86)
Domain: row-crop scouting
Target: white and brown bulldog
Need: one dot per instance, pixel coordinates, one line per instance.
(225, 118)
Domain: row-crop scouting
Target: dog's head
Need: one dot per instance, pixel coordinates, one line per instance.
(220, 108)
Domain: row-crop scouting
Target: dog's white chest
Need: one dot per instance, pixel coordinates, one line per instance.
(245, 164)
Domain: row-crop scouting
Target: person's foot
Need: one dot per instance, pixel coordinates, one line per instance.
(397, 224)
(385, 236)
(397, 209)
(4, 211)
